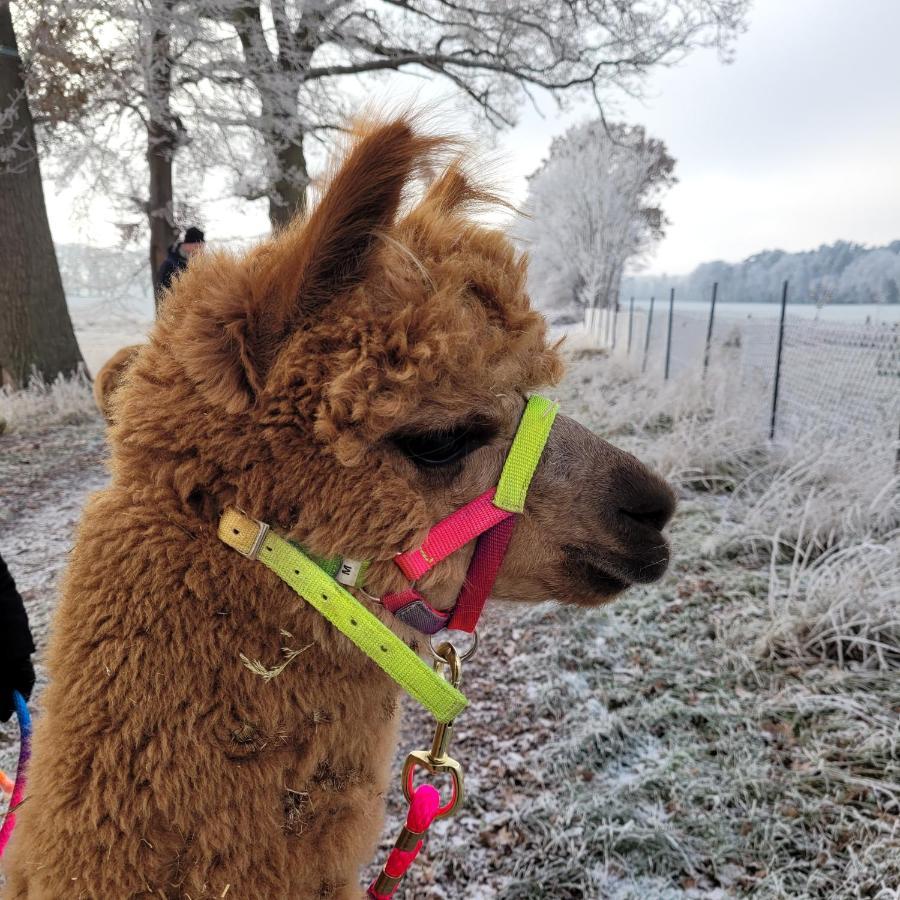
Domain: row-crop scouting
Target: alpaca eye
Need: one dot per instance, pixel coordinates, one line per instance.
(435, 449)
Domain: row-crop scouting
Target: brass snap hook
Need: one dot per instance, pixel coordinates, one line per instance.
(436, 761)
(441, 766)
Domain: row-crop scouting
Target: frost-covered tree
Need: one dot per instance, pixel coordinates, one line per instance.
(842, 272)
(254, 81)
(299, 58)
(593, 207)
(110, 81)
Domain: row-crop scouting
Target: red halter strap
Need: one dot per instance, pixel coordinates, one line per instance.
(451, 533)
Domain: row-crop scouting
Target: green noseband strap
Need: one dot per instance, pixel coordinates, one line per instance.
(525, 453)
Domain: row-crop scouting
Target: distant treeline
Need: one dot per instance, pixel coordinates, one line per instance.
(834, 273)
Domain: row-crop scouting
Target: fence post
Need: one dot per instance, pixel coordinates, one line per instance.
(669, 335)
(647, 339)
(784, 293)
(630, 324)
(709, 328)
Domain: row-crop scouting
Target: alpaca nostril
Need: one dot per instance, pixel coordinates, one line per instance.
(653, 508)
(656, 518)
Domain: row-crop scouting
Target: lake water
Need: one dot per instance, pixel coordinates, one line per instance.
(838, 312)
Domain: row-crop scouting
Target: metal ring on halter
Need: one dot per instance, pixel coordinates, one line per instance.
(468, 654)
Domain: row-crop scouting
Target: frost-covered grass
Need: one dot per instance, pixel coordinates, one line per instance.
(64, 401)
(735, 730)
(814, 494)
(843, 606)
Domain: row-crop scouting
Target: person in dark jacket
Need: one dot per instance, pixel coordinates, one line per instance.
(179, 254)
(16, 645)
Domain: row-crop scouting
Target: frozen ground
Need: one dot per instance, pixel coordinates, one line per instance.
(733, 731)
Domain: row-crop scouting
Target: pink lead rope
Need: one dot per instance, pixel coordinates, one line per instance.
(422, 812)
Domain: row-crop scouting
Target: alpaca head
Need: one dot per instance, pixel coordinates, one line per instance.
(362, 374)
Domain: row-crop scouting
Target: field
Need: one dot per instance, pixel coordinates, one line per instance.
(733, 731)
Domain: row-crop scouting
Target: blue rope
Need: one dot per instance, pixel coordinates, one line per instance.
(18, 794)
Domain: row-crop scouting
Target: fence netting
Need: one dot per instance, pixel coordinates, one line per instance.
(842, 378)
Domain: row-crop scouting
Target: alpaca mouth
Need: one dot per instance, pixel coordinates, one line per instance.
(607, 574)
(583, 566)
(598, 580)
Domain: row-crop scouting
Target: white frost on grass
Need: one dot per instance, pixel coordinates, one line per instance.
(842, 606)
(819, 492)
(64, 401)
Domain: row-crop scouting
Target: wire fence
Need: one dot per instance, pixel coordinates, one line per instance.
(841, 377)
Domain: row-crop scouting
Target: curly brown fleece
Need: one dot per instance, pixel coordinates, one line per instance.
(110, 377)
(275, 381)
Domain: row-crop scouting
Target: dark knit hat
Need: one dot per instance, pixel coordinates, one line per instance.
(194, 236)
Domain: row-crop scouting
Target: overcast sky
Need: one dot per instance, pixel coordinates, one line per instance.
(795, 144)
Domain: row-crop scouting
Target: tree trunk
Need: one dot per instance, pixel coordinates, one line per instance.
(287, 196)
(163, 232)
(162, 142)
(35, 329)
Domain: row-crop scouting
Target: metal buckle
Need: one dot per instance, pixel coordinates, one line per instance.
(256, 546)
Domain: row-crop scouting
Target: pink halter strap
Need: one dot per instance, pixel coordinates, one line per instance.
(479, 518)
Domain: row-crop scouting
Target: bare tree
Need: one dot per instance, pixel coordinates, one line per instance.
(594, 206)
(35, 329)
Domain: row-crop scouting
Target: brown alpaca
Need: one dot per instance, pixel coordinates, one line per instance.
(288, 382)
(110, 376)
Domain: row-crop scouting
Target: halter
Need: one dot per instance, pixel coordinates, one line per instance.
(490, 518)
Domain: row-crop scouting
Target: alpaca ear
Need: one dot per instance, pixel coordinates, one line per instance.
(453, 192)
(219, 327)
(331, 251)
(235, 337)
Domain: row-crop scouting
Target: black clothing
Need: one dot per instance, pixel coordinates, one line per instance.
(172, 265)
(16, 645)
(194, 236)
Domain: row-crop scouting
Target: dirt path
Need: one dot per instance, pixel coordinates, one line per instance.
(45, 478)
